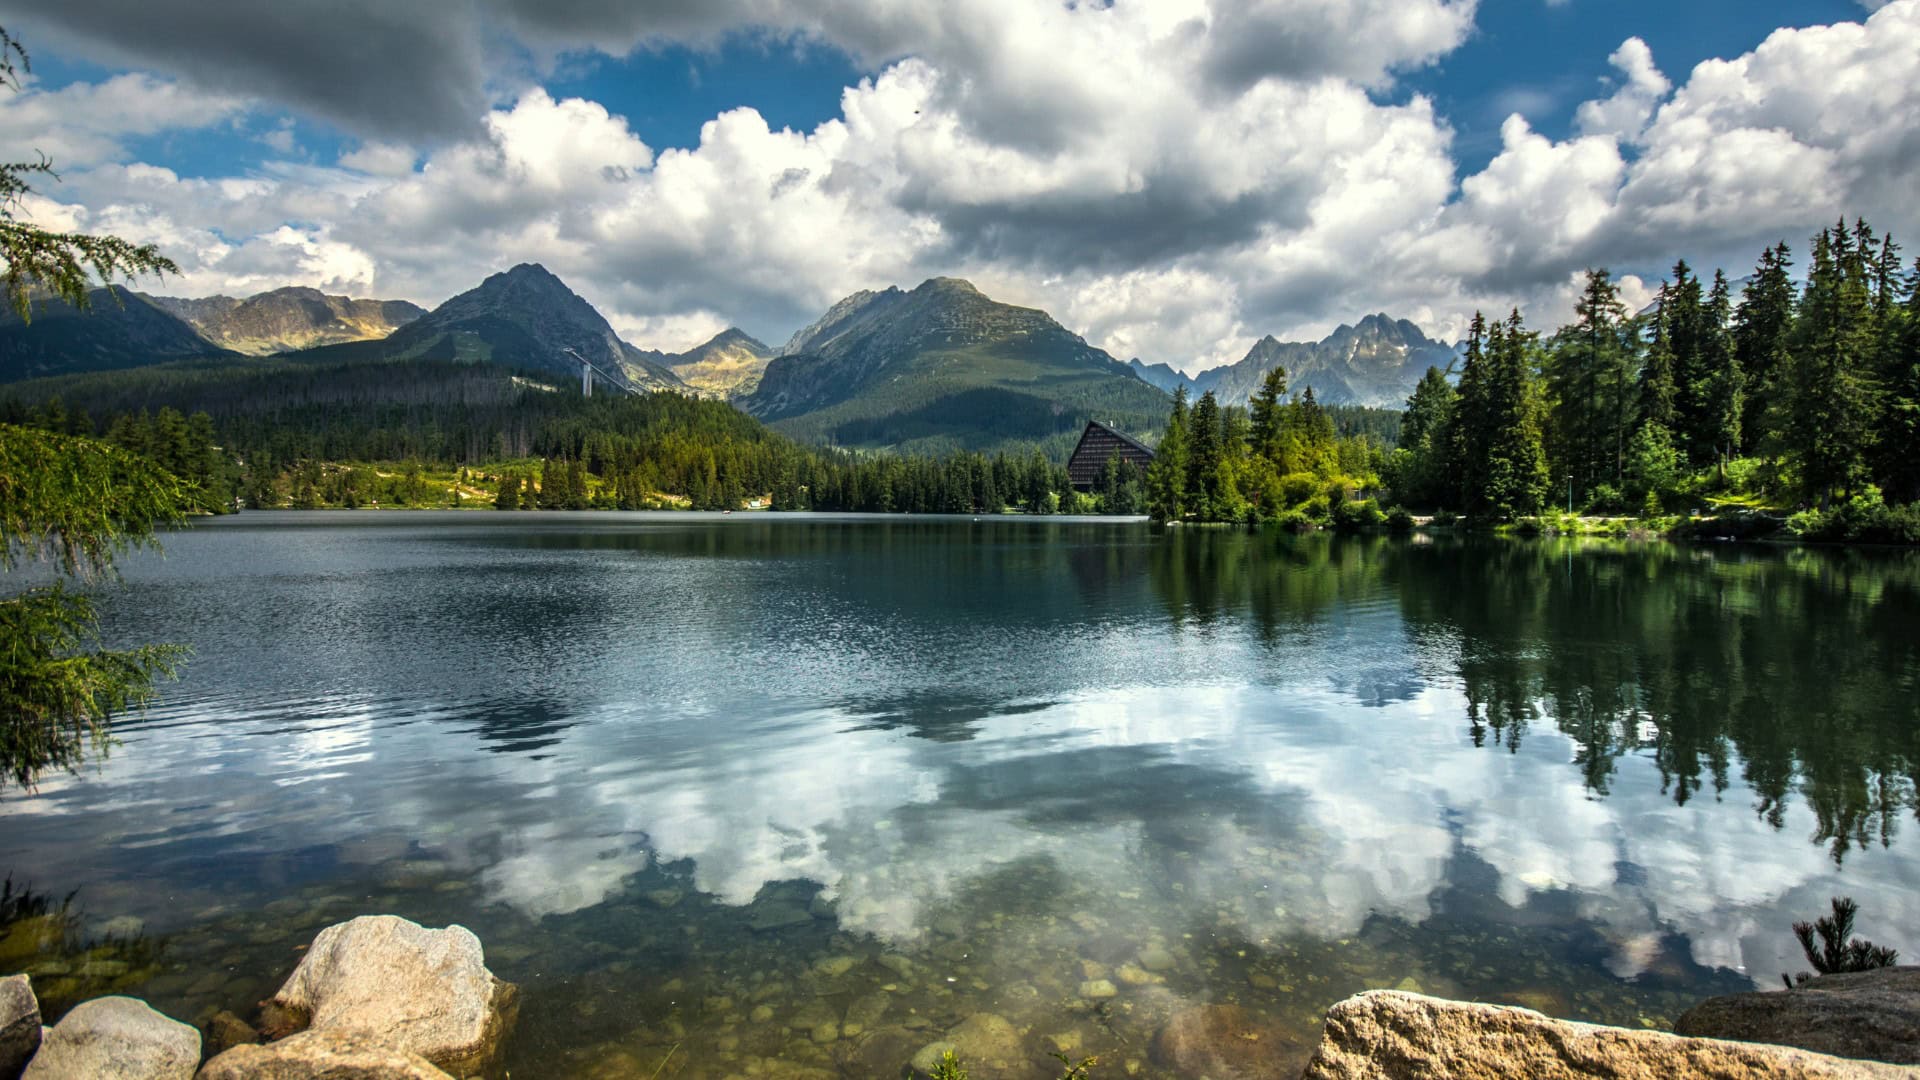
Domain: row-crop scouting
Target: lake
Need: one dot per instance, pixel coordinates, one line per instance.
(715, 791)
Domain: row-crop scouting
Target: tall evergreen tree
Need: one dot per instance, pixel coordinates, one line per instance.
(1723, 396)
(1467, 435)
(1589, 380)
(1761, 327)
(1658, 377)
(1264, 411)
(1830, 413)
(1167, 476)
(1205, 457)
(1897, 449)
(1514, 462)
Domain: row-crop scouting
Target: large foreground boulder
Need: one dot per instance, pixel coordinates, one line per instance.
(1389, 1035)
(426, 992)
(116, 1038)
(1859, 1014)
(19, 1025)
(321, 1055)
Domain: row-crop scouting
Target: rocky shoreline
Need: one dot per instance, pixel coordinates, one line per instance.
(381, 997)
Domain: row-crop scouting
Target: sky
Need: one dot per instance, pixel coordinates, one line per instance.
(1172, 179)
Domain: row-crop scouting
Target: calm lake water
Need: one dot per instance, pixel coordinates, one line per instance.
(815, 790)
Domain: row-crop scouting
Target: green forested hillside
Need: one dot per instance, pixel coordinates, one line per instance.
(428, 432)
(942, 368)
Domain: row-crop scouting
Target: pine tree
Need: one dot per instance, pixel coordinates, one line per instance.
(1897, 449)
(1264, 413)
(1658, 388)
(1468, 433)
(1167, 476)
(1515, 459)
(1589, 388)
(1422, 454)
(1205, 458)
(1830, 417)
(507, 495)
(1761, 327)
(1723, 396)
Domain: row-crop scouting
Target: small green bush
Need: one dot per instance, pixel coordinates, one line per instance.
(1399, 521)
(1356, 515)
(1444, 519)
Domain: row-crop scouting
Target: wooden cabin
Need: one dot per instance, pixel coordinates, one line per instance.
(1098, 443)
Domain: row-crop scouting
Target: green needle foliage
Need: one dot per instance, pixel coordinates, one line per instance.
(71, 504)
(1839, 950)
(63, 264)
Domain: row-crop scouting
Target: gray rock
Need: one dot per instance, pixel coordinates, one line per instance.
(1859, 1014)
(1392, 1035)
(321, 1055)
(19, 1025)
(116, 1038)
(426, 992)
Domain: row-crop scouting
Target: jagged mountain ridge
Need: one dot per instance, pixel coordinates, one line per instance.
(289, 318)
(523, 317)
(944, 366)
(1375, 362)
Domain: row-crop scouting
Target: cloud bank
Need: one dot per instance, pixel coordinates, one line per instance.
(1171, 179)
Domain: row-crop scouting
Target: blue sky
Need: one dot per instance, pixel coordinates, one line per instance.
(1173, 179)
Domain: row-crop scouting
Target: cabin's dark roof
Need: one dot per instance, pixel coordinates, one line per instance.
(1098, 443)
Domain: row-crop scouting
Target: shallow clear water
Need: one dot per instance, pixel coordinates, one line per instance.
(769, 795)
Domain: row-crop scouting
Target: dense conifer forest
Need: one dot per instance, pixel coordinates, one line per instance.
(1793, 397)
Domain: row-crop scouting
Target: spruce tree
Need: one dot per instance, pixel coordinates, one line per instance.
(1657, 375)
(1761, 327)
(1205, 458)
(1264, 414)
(1897, 449)
(1514, 454)
(1589, 388)
(1167, 476)
(1467, 434)
(1723, 395)
(1830, 415)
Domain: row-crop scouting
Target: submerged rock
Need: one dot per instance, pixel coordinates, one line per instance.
(985, 1040)
(1390, 1035)
(1858, 1014)
(19, 1025)
(116, 1038)
(224, 1032)
(321, 1055)
(1226, 1042)
(423, 991)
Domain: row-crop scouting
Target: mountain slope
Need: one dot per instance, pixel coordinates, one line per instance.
(523, 317)
(728, 365)
(942, 367)
(1375, 363)
(119, 329)
(290, 318)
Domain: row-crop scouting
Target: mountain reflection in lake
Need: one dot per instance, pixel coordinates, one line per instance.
(815, 789)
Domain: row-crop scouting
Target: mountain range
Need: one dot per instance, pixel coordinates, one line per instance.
(1375, 363)
(932, 369)
(288, 319)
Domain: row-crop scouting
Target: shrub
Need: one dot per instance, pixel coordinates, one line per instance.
(1296, 488)
(1294, 520)
(1444, 519)
(1354, 515)
(1398, 520)
(1606, 499)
